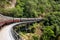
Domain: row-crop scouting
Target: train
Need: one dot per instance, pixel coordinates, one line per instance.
(5, 20)
(14, 20)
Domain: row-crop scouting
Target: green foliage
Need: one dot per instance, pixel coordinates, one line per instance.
(52, 18)
(3, 3)
(47, 33)
(51, 25)
(34, 8)
(35, 37)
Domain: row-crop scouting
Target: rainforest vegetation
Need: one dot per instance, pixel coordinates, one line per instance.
(48, 29)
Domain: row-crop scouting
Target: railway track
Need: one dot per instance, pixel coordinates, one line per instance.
(7, 24)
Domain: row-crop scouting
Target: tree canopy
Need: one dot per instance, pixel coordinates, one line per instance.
(47, 9)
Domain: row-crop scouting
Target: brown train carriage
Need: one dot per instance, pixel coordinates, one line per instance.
(6, 22)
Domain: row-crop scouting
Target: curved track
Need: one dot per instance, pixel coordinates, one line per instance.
(5, 20)
(6, 32)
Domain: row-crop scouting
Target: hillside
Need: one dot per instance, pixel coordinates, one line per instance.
(47, 9)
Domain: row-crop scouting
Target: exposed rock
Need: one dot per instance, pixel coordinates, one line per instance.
(12, 4)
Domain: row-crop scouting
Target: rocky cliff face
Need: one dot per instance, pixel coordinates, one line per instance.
(12, 4)
(7, 4)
